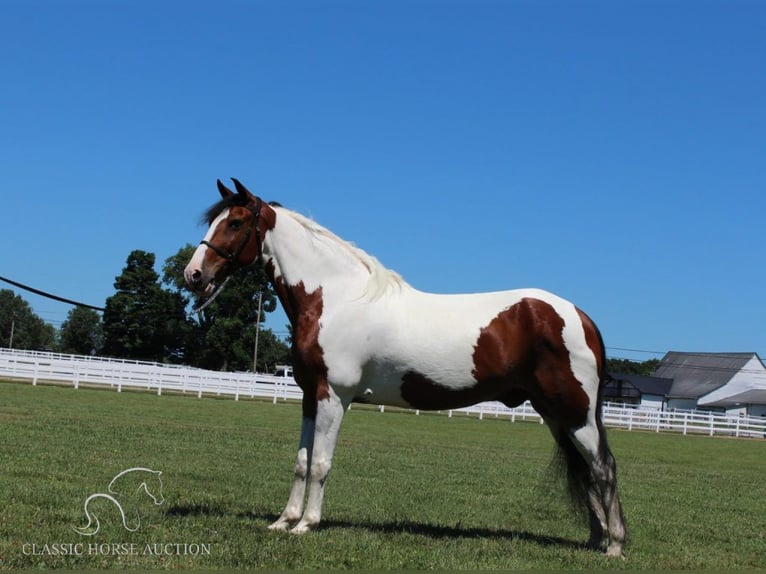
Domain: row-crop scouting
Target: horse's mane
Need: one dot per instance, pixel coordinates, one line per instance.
(232, 201)
(381, 278)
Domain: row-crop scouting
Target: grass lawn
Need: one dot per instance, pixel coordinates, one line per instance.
(406, 491)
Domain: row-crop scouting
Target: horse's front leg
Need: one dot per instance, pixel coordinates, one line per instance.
(292, 512)
(329, 416)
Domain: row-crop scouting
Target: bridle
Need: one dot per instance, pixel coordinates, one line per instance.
(232, 257)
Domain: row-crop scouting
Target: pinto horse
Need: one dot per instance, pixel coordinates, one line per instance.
(362, 334)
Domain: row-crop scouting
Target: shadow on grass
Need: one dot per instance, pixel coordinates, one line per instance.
(391, 527)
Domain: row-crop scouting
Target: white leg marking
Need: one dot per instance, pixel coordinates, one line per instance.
(329, 417)
(292, 512)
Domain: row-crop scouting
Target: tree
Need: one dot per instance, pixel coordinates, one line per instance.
(141, 320)
(20, 327)
(223, 334)
(629, 367)
(81, 333)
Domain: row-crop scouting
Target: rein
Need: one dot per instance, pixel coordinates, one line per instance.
(231, 258)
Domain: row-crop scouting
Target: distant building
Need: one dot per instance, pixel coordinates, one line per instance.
(734, 382)
(647, 392)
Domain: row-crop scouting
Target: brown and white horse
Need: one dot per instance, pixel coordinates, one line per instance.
(361, 333)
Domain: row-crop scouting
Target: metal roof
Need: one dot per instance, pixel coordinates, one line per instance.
(697, 374)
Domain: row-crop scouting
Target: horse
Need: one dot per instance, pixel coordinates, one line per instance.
(362, 334)
(126, 485)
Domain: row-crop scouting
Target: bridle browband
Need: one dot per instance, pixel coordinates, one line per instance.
(231, 258)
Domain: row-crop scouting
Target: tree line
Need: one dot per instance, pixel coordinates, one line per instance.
(148, 319)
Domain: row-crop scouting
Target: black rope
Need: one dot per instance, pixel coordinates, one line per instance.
(50, 296)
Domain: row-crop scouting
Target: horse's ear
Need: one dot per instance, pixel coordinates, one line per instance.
(241, 189)
(223, 190)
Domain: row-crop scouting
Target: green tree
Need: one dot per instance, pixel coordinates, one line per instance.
(141, 320)
(20, 327)
(81, 333)
(223, 334)
(629, 367)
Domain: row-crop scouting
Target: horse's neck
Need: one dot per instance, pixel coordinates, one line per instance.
(128, 483)
(302, 257)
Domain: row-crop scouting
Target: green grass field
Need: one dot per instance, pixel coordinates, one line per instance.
(406, 492)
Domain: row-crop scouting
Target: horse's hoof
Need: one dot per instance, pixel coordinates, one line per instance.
(302, 528)
(615, 551)
(280, 524)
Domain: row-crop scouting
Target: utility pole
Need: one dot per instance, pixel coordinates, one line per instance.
(13, 327)
(257, 331)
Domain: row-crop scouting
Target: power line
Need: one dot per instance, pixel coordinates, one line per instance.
(638, 351)
(50, 295)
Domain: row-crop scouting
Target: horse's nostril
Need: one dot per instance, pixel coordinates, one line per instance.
(196, 275)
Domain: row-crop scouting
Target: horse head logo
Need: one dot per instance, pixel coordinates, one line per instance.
(125, 491)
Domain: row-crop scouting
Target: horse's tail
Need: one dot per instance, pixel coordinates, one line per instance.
(570, 462)
(89, 529)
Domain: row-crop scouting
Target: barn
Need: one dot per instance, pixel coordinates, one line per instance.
(734, 382)
(642, 391)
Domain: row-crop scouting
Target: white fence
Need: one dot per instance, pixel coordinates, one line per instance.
(155, 377)
(620, 416)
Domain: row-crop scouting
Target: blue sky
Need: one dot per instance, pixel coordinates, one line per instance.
(611, 152)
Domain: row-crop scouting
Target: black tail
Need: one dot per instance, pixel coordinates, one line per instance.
(569, 461)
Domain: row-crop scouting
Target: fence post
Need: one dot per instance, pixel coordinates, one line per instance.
(710, 422)
(686, 422)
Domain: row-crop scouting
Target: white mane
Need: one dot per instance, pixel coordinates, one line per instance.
(381, 278)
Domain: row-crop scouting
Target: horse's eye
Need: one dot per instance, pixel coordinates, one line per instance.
(235, 224)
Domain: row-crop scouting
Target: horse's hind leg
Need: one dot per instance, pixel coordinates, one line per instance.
(590, 441)
(582, 486)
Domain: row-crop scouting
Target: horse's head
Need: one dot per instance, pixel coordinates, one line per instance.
(238, 224)
(153, 486)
